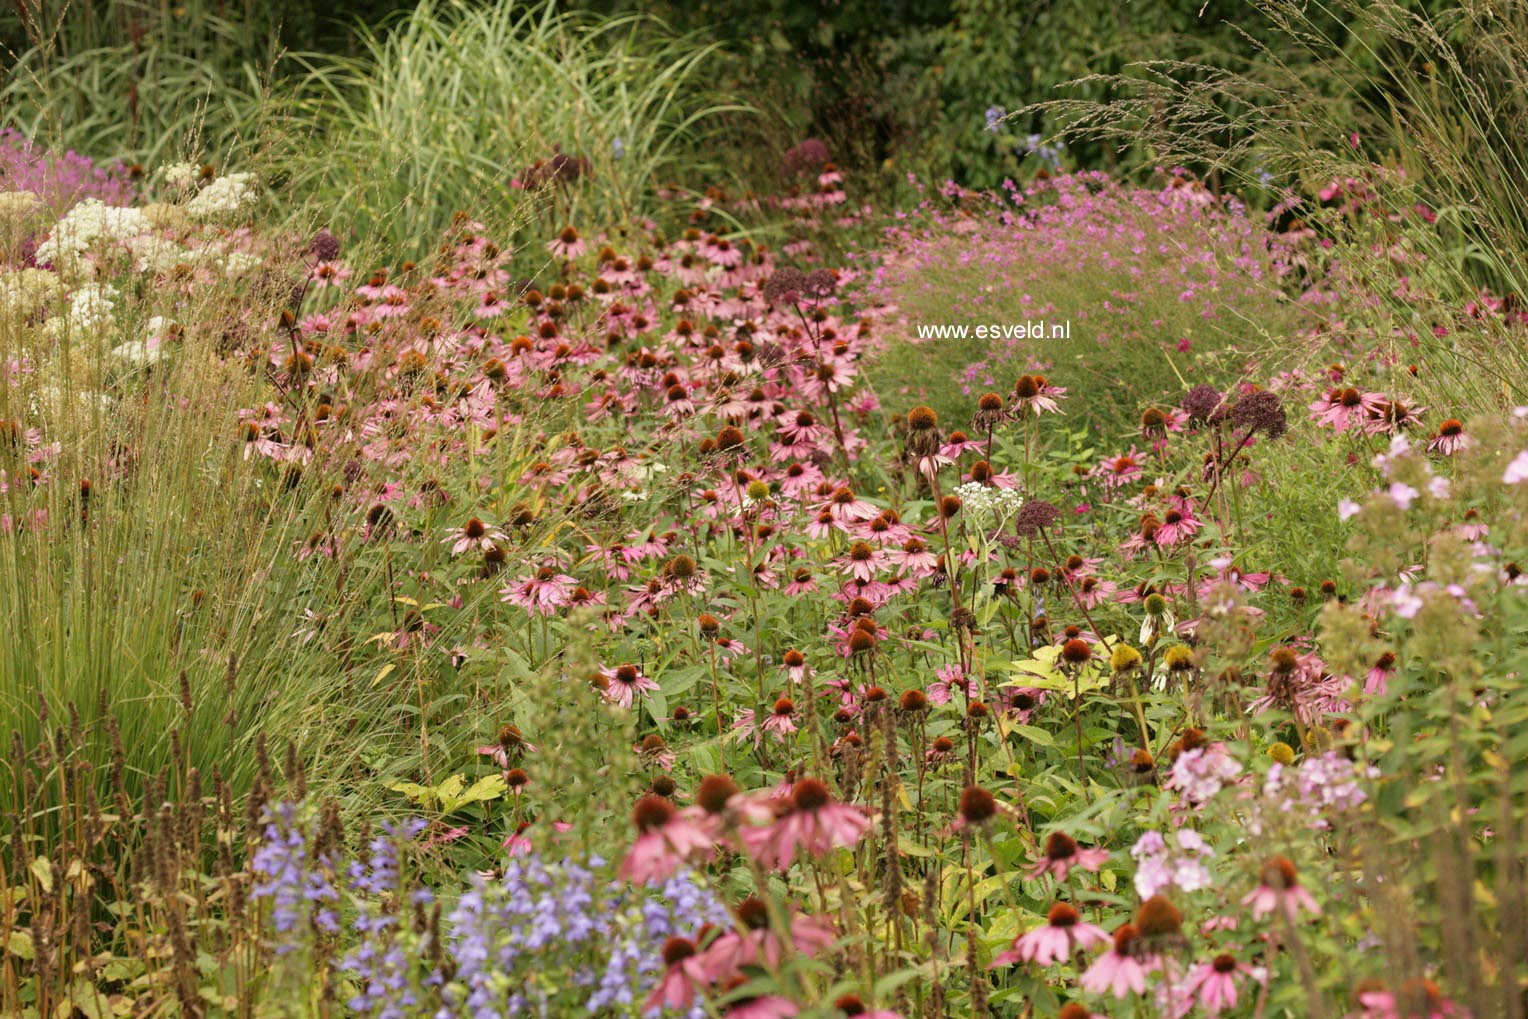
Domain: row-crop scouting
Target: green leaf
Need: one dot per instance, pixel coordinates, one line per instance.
(19, 944)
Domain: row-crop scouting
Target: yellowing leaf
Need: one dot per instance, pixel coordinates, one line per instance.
(42, 870)
(489, 787)
(19, 944)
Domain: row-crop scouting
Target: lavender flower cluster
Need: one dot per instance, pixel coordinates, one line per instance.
(554, 937)
(549, 938)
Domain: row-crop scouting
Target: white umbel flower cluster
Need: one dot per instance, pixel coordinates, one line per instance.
(23, 292)
(223, 198)
(180, 176)
(90, 309)
(150, 350)
(991, 506)
(16, 206)
(88, 223)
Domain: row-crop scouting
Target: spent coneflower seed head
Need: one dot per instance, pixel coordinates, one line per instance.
(914, 702)
(651, 812)
(922, 418)
(977, 805)
(1279, 873)
(714, 793)
(1157, 917)
(810, 794)
(677, 949)
(1076, 651)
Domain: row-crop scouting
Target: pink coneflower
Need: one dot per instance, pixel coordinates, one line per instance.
(542, 593)
(850, 1006)
(1378, 678)
(1033, 394)
(1450, 438)
(1177, 525)
(949, 679)
(1122, 969)
(1214, 983)
(1093, 592)
(768, 1006)
(473, 534)
(940, 752)
(915, 557)
(490, 305)
(625, 683)
(801, 582)
(1418, 999)
(665, 840)
(328, 274)
(847, 508)
(566, 244)
(518, 843)
(1116, 471)
(510, 742)
(1063, 933)
(1345, 408)
(814, 822)
(862, 561)
(782, 718)
(723, 252)
(795, 665)
(756, 943)
(958, 445)
(1393, 418)
(1062, 853)
(1280, 889)
(685, 976)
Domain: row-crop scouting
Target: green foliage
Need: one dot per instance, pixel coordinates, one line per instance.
(449, 106)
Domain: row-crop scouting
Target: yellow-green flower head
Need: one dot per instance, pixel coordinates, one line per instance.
(1124, 658)
(1179, 657)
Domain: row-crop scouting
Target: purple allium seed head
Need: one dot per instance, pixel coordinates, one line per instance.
(1035, 516)
(1204, 403)
(1261, 411)
(325, 246)
(809, 156)
(786, 286)
(821, 283)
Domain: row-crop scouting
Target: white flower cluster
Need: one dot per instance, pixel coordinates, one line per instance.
(224, 197)
(180, 176)
(23, 292)
(236, 263)
(989, 505)
(84, 225)
(90, 308)
(17, 205)
(148, 351)
(155, 253)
